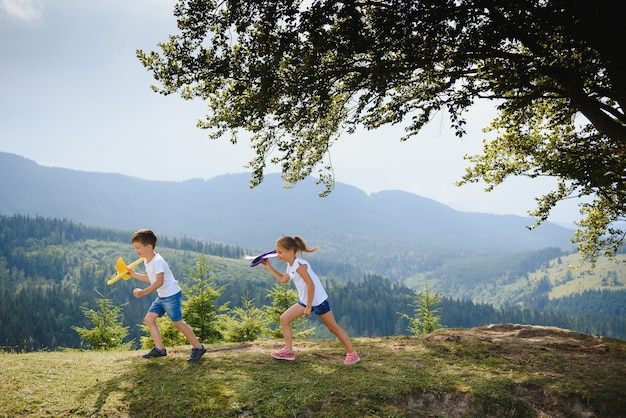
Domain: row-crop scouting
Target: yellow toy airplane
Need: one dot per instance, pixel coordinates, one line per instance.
(122, 269)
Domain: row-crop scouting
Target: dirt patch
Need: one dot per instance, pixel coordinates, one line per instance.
(554, 363)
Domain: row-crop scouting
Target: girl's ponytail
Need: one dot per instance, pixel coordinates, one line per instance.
(295, 243)
(302, 245)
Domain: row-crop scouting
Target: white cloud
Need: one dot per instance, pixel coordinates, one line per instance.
(24, 11)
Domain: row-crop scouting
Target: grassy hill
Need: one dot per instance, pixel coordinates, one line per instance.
(494, 371)
(505, 280)
(565, 281)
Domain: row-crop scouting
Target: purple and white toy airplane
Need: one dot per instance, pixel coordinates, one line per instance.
(257, 259)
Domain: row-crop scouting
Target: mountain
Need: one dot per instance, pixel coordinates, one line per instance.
(349, 224)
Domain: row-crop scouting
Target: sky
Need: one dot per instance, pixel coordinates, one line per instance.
(74, 95)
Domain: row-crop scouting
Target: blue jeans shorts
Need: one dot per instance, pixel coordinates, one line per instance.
(320, 309)
(172, 305)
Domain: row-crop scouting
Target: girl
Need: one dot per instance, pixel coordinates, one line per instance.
(311, 293)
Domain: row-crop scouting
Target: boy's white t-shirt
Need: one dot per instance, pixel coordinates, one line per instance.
(158, 265)
(320, 294)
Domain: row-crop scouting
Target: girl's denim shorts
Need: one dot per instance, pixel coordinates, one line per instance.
(320, 309)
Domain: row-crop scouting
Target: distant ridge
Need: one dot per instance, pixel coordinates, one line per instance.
(225, 209)
(391, 233)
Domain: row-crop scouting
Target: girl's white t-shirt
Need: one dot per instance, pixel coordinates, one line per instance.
(158, 265)
(320, 294)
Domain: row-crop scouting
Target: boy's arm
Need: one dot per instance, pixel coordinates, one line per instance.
(139, 276)
(154, 286)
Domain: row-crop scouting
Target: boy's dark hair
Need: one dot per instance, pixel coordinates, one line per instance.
(145, 236)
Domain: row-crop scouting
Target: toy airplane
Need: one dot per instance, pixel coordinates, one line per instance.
(257, 259)
(122, 269)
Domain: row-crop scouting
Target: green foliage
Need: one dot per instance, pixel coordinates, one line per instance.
(425, 317)
(38, 316)
(108, 332)
(545, 142)
(246, 323)
(199, 308)
(283, 296)
(297, 77)
(369, 306)
(364, 305)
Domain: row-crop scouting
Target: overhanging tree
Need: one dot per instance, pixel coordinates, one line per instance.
(297, 75)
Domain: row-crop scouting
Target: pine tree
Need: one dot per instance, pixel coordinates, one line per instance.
(426, 318)
(199, 309)
(108, 332)
(246, 323)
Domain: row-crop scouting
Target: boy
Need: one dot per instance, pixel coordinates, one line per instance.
(169, 295)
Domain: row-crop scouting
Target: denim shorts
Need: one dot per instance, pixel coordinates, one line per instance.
(320, 309)
(172, 305)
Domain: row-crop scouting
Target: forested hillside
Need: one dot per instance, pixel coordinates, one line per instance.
(49, 268)
(403, 237)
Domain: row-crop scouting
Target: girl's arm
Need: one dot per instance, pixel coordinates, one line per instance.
(310, 288)
(283, 278)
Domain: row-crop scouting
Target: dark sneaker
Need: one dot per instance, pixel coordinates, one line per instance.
(155, 352)
(196, 353)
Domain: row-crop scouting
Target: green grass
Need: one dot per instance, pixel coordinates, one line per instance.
(607, 275)
(454, 372)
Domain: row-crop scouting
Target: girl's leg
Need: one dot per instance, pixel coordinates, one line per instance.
(329, 320)
(150, 320)
(188, 333)
(289, 315)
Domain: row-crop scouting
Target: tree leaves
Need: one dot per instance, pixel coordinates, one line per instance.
(296, 76)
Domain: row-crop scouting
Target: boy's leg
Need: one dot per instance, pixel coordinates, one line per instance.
(188, 333)
(174, 308)
(150, 320)
(198, 349)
